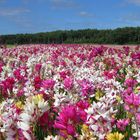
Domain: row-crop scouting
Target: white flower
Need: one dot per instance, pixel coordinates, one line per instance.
(43, 105)
(23, 125)
(25, 117)
(52, 138)
(27, 135)
(89, 110)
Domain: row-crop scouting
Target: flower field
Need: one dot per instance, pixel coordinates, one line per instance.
(69, 92)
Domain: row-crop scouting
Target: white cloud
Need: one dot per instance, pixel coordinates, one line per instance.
(22, 21)
(136, 2)
(17, 16)
(85, 14)
(63, 4)
(130, 17)
(13, 11)
(2, 0)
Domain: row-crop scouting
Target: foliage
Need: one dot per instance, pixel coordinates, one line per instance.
(127, 35)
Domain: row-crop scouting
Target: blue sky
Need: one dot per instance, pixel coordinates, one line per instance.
(31, 16)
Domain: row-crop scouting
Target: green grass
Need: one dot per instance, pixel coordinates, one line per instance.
(10, 46)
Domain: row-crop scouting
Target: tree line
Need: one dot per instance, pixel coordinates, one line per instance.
(126, 35)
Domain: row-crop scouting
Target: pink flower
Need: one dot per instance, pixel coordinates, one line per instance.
(20, 93)
(38, 67)
(10, 81)
(128, 91)
(109, 74)
(48, 84)
(63, 63)
(17, 74)
(87, 87)
(95, 52)
(1, 65)
(122, 123)
(132, 99)
(132, 102)
(46, 121)
(37, 82)
(71, 129)
(82, 105)
(136, 56)
(68, 83)
(6, 85)
(130, 82)
(131, 138)
(67, 121)
(126, 50)
(138, 118)
(64, 74)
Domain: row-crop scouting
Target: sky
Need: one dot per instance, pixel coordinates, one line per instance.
(32, 16)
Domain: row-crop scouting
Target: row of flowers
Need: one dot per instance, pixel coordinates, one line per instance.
(57, 92)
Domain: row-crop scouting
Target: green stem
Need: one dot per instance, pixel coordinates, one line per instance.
(137, 129)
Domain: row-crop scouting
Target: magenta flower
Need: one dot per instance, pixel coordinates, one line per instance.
(122, 123)
(132, 102)
(46, 121)
(87, 87)
(138, 118)
(20, 93)
(132, 99)
(48, 84)
(37, 82)
(136, 56)
(131, 138)
(126, 50)
(128, 91)
(109, 74)
(1, 65)
(95, 52)
(6, 85)
(68, 83)
(64, 74)
(38, 67)
(63, 63)
(10, 81)
(17, 74)
(130, 82)
(67, 121)
(82, 105)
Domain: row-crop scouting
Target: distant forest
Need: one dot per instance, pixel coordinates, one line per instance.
(127, 35)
